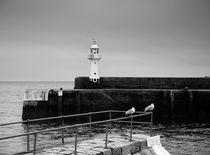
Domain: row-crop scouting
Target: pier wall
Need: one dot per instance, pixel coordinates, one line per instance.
(145, 83)
(175, 99)
(170, 105)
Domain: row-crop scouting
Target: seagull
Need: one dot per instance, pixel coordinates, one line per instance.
(149, 108)
(131, 111)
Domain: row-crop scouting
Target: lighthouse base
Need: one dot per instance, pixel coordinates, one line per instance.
(94, 84)
(95, 80)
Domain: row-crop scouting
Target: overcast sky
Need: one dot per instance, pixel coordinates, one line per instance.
(49, 40)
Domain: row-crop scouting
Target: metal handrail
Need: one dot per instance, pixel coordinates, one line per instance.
(138, 112)
(57, 117)
(78, 125)
(64, 116)
(72, 126)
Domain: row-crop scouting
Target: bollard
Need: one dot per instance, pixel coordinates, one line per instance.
(75, 144)
(34, 152)
(106, 140)
(90, 127)
(131, 128)
(28, 138)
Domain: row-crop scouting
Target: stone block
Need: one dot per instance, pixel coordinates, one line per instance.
(143, 145)
(146, 152)
(116, 151)
(135, 147)
(126, 150)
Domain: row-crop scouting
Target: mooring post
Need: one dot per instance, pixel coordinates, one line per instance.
(131, 128)
(60, 102)
(28, 138)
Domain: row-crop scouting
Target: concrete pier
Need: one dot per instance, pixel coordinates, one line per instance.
(118, 144)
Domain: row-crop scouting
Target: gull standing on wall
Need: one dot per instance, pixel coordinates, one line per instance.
(131, 111)
(149, 108)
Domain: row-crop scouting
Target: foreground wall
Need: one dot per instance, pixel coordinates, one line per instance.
(117, 145)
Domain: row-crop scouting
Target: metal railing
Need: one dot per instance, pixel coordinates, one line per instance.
(76, 126)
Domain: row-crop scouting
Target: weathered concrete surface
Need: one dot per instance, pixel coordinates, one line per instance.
(118, 144)
(145, 83)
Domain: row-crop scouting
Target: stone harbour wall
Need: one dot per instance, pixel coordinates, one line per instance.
(145, 83)
(170, 105)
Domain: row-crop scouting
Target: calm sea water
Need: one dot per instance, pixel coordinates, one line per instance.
(176, 138)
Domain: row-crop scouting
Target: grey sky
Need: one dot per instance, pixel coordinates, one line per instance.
(50, 39)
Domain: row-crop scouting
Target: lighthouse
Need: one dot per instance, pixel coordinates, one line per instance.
(94, 58)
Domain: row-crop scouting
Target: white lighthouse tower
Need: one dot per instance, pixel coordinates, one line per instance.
(94, 58)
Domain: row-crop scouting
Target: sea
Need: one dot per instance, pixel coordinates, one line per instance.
(178, 139)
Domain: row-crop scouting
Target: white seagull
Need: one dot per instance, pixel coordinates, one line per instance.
(149, 108)
(131, 111)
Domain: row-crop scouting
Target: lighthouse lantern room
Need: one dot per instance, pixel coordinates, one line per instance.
(94, 58)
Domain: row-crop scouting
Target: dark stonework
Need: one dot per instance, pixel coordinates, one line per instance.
(145, 83)
(178, 103)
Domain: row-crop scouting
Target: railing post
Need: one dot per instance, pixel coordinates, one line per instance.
(131, 128)
(106, 140)
(90, 127)
(151, 123)
(34, 152)
(62, 124)
(75, 144)
(110, 122)
(28, 138)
